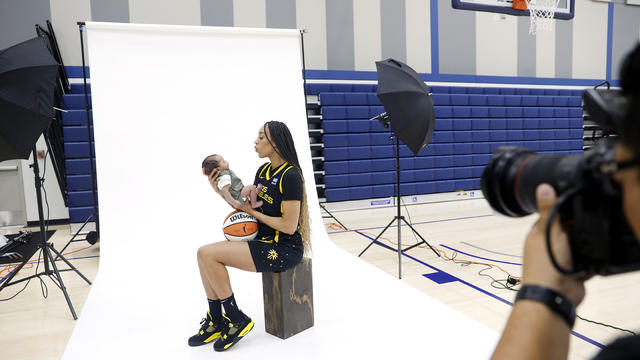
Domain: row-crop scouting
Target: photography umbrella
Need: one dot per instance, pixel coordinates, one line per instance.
(28, 74)
(410, 113)
(406, 99)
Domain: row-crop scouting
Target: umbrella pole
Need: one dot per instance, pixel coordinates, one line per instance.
(399, 218)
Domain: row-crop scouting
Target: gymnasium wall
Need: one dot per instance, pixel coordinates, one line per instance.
(349, 35)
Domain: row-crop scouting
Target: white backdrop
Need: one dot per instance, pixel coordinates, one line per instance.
(163, 98)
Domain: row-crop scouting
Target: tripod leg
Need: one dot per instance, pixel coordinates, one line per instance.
(7, 282)
(421, 238)
(374, 240)
(57, 273)
(75, 235)
(331, 215)
(70, 265)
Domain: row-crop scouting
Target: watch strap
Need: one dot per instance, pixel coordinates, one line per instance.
(557, 302)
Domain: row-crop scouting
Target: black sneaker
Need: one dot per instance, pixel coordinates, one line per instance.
(234, 332)
(208, 331)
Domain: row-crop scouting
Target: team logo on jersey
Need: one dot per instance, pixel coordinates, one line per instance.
(274, 181)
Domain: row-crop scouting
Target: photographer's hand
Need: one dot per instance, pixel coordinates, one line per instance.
(534, 331)
(537, 268)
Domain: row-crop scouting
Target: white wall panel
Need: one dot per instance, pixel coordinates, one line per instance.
(312, 15)
(366, 34)
(590, 40)
(250, 13)
(546, 52)
(418, 15)
(496, 44)
(183, 12)
(64, 17)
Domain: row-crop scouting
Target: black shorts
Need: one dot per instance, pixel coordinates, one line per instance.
(271, 256)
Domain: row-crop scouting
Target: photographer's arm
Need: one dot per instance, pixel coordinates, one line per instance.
(533, 330)
(288, 223)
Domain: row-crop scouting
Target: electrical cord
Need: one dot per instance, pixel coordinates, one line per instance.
(28, 281)
(509, 283)
(607, 325)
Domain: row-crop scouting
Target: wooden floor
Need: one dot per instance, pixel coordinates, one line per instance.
(32, 327)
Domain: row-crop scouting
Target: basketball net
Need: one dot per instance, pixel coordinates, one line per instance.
(541, 13)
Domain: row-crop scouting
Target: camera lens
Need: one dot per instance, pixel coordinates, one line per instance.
(510, 180)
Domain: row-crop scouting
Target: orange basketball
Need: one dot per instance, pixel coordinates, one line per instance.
(240, 226)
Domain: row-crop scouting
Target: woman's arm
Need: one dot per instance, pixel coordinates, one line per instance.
(287, 224)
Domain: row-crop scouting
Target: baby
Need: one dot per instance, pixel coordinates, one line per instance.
(230, 184)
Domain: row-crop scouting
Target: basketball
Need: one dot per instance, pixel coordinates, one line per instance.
(240, 226)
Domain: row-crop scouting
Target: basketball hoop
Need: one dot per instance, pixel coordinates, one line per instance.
(541, 13)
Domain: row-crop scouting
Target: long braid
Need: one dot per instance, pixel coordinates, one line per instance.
(284, 146)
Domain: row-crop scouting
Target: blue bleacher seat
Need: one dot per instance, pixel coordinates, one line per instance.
(78, 166)
(459, 99)
(478, 112)
(495, 100)
(78, 182)
(478, 100)
(334, 126)
(80, 214)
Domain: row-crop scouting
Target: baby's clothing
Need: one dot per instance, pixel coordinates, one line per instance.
(228, 177)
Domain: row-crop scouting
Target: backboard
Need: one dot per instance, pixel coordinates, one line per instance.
(565, 9)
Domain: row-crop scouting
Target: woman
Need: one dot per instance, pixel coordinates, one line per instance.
(283, 237)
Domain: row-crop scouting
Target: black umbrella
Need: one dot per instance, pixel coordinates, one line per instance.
(407, 101)
(28, 74)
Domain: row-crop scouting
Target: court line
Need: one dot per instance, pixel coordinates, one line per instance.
(413, 223)
(491, 251)
(576, 334)
(479, 257)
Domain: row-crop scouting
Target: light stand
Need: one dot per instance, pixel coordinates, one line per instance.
(47, 249)
(384, 120)
(92, 236)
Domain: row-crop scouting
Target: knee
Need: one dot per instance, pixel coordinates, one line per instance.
(207, 254)
(204, 253)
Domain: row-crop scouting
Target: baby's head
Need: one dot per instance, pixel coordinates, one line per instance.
(214, 161)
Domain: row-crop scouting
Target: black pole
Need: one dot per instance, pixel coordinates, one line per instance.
(38, 180)
(304, 76)
(89, 137)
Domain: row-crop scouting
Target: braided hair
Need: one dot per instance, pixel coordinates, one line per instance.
(281, 141)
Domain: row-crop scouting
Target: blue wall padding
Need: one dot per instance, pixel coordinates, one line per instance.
(78, 166)
(74, 101)
(75, 117)
(81, 198)
(79, 214)
(79, 88)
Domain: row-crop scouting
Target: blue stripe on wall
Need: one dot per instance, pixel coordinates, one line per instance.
(520, 80)
(609, 40)
(435, 56)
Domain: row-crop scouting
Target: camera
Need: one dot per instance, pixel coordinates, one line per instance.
(589, 202)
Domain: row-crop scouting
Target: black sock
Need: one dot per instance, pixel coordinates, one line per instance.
(231, 308)
(215, 309)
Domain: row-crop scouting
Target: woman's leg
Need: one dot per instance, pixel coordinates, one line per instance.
(206, 283)
(213, 259)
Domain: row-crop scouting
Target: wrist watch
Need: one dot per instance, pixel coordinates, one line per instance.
(557, 302)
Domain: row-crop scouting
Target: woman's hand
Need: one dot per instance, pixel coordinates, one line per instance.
(213, 180)
(246, 207)
(537, 267)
